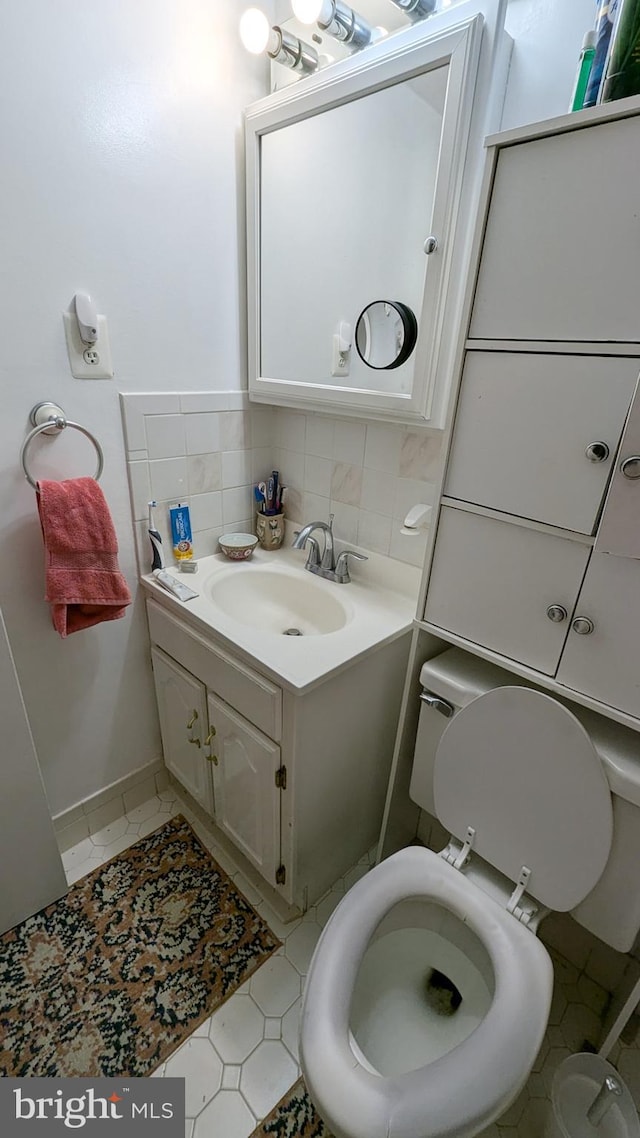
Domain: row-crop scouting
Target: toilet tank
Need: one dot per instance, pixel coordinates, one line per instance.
(450, 681)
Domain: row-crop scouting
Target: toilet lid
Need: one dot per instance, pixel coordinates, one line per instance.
(521, 770)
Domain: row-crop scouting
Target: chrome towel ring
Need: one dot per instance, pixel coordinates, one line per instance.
(50, 419)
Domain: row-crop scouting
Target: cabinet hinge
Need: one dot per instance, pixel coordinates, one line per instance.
(281, 875)
(281, 778)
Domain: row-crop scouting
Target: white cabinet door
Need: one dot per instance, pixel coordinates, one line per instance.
(523, 429)
(619, 529)
(493, 581)
(244, 779)
(603, 663)
(560, 256)
(182, 709)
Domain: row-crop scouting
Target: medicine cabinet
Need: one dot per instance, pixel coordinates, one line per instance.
(360, 183)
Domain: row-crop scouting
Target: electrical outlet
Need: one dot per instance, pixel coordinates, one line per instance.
(88, 361)
(340, 357)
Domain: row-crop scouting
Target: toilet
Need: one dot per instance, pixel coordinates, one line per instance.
(428, 994)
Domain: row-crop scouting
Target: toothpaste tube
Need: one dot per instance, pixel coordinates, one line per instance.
(182, 592)
(181, 532)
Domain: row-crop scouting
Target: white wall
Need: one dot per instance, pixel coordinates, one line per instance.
(547, 38)
(121, 142)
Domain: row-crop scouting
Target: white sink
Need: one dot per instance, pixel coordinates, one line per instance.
(278, 601)
(249, 605)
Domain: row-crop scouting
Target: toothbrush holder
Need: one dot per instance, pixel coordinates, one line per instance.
(270, 530)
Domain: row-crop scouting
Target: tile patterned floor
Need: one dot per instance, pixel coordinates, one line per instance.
(240, 1061)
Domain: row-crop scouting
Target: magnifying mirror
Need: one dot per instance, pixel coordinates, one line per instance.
(386, 334)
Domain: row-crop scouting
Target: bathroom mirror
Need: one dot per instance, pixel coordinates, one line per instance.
(386, 334)
(355, 193)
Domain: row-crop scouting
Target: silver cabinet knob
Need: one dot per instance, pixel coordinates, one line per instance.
(557, 613)
(597, 452)
(631, 466)
(430, 245)
(582, 625)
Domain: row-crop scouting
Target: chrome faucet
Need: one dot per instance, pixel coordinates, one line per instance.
(327, 566)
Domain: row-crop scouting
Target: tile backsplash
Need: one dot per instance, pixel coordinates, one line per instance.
(368, 474)
(211, 447)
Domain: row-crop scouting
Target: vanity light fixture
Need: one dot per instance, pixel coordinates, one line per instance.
(336, 18)
(279, 45)
(415, 10)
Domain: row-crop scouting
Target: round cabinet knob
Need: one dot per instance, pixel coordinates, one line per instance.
(631, 466)
(557, 613)
(582, 625)
(597, 452)
(430, 245)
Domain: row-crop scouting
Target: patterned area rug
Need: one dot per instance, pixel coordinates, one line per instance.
(110, 979)
(294, 1117)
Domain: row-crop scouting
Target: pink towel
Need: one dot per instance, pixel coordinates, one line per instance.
(84, 584)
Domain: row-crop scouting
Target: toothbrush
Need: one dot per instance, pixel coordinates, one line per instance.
(156, 540)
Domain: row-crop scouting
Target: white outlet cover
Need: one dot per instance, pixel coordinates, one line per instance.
(339, 363)
(80, 369)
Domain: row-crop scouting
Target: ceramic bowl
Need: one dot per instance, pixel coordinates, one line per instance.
(238, 546)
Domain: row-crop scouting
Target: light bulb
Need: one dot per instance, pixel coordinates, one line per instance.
(254, 30)
(307, 11)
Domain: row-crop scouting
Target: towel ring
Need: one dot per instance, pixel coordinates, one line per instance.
(49, 419)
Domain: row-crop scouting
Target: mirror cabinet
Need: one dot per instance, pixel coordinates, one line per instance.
(356, 215)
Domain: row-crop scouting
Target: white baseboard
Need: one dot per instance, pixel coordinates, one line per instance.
(97, 811)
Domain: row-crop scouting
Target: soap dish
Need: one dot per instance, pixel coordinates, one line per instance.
(238, 546)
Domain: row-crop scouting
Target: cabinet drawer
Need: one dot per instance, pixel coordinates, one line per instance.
(255, 697)
(560, 256)
(604, 663)
(492, 582)
(522, 429)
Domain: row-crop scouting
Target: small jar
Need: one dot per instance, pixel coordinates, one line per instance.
(270, 530)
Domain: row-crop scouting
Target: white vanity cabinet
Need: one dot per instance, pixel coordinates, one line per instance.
(212, 744)
(246, 780)
(534, 561)
(294, 778)
(182, 710)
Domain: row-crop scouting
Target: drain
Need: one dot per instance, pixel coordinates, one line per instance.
(441, 993)
(292, 632)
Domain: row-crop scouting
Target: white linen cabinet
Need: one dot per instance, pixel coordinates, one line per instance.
(534, 560)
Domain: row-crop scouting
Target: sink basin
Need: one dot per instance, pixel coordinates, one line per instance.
(280, 602)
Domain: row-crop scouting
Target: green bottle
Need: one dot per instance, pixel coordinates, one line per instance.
(584, 70)
(622, 74)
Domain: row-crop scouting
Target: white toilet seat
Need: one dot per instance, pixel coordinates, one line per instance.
(466, 1089)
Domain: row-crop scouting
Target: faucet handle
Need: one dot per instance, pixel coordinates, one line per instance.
(342, 564)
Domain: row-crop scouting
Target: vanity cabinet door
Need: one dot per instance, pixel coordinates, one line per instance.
(182, 710)
(529, 431)
(244, 767)
(602, 660)
(493, 581)
(560, 255)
